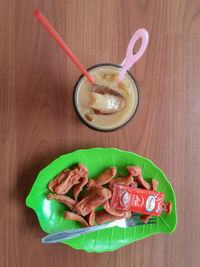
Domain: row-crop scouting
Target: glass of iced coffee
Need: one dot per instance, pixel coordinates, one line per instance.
(107, 97)
(110, 104)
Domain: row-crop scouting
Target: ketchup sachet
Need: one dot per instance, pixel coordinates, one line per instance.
(137, 200)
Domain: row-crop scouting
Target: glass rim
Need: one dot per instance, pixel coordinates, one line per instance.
(91, 126)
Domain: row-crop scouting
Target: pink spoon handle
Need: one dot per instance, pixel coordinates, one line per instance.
(130, 59)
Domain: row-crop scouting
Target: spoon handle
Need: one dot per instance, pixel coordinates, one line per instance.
(131, 58)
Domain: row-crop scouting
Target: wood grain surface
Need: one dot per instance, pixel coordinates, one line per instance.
(38, 122)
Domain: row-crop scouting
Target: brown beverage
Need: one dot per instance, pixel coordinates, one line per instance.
(110, 108)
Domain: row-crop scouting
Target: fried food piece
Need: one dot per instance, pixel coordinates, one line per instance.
(58, 179)
(103, 178)
(125, 180)
(112, 211)
(167, 207)
(106, 103)
(68, 215)
(82, 196)
(154, 184)
(136, 172)
(95, 197)
(145, 218)
(103, 217)
(134, 184)
(71, 179)
(78, 188)
(68, 201)
(90, 218)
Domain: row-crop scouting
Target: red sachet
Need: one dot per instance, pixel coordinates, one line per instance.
(137, 200)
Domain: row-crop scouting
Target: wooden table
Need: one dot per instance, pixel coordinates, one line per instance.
(38, 122)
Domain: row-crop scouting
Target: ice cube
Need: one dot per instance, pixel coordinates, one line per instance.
(106, 103)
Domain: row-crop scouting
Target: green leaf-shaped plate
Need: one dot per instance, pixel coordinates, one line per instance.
(50, 213)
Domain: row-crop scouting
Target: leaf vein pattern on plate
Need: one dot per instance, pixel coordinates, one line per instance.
(98, 159)
(165, 222)
(95, 242)
(112, 161)
(163, 188)
(111, 236)
(143, 227)
(45, 191)
(127, 156)
(83, 159)
(157, 224)
(134, 229)
(82, 237)
(124, 233)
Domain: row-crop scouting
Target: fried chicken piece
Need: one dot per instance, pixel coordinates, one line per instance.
(95, 197)
(103, 178)
(167, 207)
(68, 201)
(68, 215)
(78, 188)
(136, 172)
(104, 217)
(112, 211)
(125, 180)
(71, 179)
(90, 218)
(57, 180)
